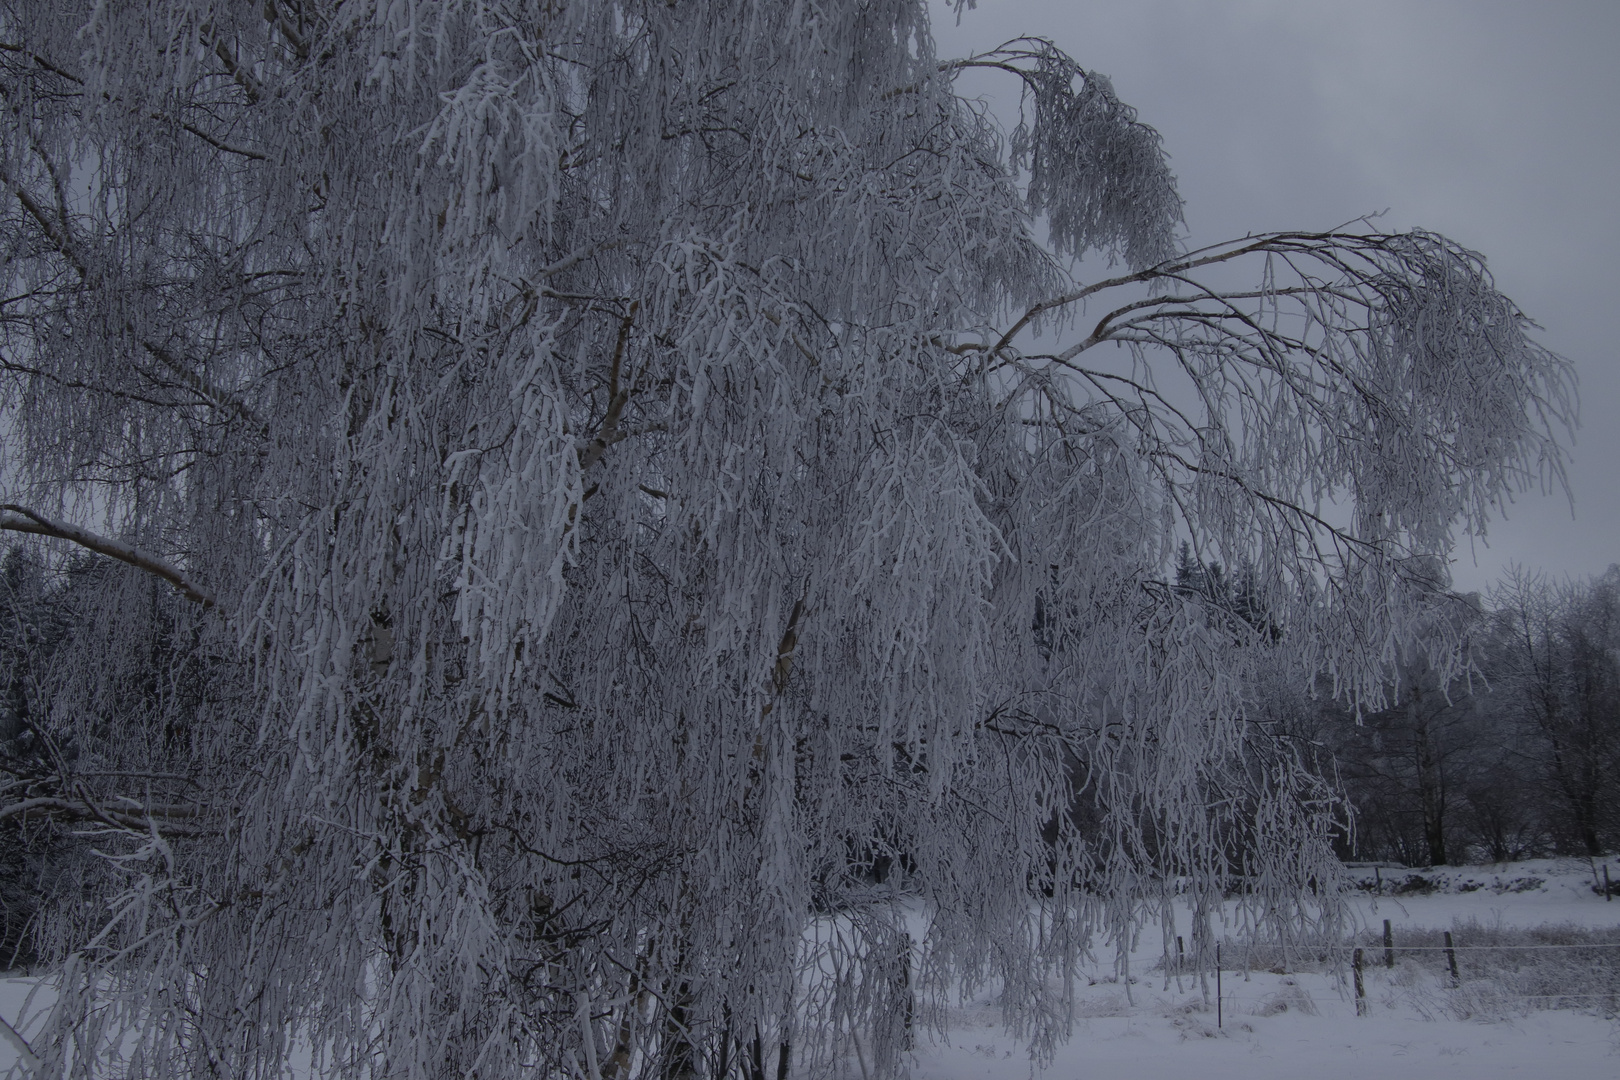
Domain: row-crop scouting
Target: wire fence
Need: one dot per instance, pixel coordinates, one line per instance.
(1498, 948)
(1466, 978)
(1559, 972)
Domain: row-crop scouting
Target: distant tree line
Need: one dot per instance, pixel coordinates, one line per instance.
(1515, 757)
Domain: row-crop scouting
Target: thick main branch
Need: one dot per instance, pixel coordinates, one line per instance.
(21, 519)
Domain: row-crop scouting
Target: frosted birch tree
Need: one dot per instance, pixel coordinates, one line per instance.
(642, 501)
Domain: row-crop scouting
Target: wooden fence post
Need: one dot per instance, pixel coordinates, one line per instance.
(1389, 946)
(1608, 894)
(1361, 990)
(908, 1040)
(1451, 961)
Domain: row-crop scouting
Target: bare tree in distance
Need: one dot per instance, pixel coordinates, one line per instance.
(667, 613)
(1559, 657)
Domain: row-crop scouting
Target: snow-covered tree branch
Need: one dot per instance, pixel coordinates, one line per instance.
(21, 519)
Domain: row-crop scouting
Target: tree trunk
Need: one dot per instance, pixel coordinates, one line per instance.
(1431, 787)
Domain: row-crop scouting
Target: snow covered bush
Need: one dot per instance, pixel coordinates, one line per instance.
(630, 516)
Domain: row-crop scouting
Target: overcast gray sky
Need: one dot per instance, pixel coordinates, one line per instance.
(1494, 122)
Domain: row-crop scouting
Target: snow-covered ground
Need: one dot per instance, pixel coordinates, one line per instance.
(1304, 1023)
(1156, 1040)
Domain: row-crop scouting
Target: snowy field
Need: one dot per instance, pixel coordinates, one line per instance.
(1303, 1023)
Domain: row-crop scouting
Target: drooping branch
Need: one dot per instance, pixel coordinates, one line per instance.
(1094, 170)
(1384, 326)
(21, 519)
(220, 399)
(1279, 242)
(57, 232)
